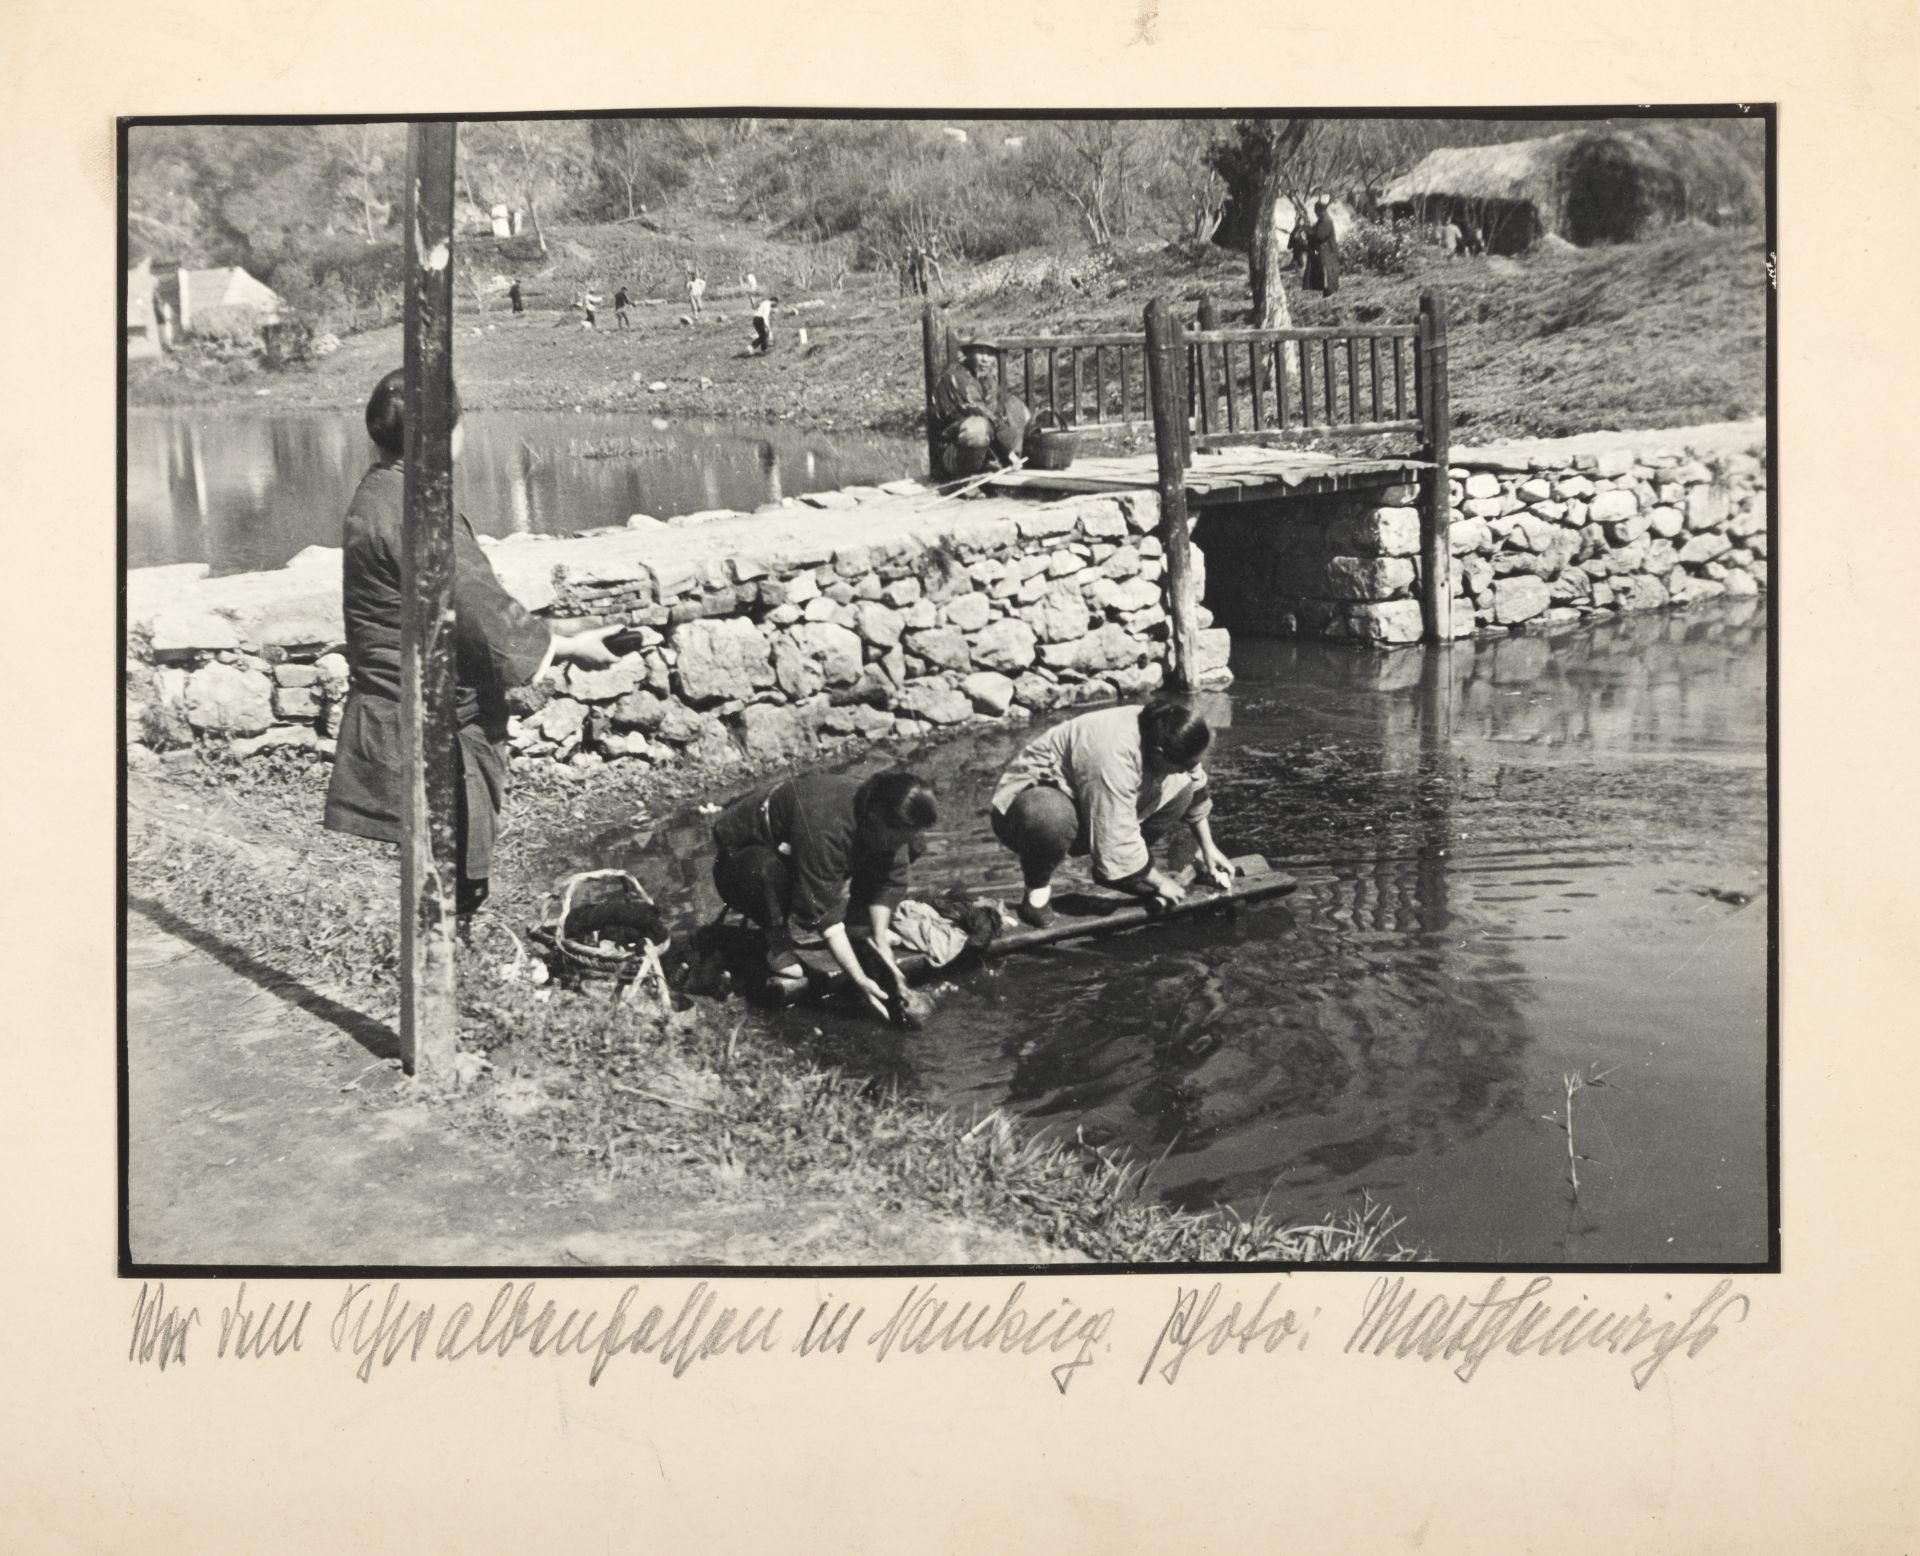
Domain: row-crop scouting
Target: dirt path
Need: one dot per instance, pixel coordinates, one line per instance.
(265, 1130)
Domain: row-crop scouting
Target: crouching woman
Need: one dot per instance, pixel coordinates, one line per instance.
(1109, 784)
(796, 858)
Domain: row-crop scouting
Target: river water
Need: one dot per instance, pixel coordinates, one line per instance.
(1507, 853)
(245, 492)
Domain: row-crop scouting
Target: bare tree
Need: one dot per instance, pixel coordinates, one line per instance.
(1092, 165)
(536, 161)
(370, 157)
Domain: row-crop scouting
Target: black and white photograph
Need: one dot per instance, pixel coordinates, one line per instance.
(864, 692)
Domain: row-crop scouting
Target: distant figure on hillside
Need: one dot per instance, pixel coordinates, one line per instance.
(513, 296)
(621, 303)
(1472, 240)
(586, 301)
(696, 290)
(750, 284)
(1323, 253)
(930, 268)
(980, 425)
(763, 325)
(1449, 240)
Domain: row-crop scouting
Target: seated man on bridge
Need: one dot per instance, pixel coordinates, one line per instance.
(1110, 784)
(798, 856)
(980, 425)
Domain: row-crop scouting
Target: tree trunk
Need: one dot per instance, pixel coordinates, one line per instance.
(1266, 262)
(533, 216)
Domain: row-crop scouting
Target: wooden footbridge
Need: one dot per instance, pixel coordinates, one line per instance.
(1228, 410)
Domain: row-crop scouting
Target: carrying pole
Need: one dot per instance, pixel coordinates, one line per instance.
(1166, 355)
(430, 760)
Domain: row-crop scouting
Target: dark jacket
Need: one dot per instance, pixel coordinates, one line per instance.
(812, 818)
(497, 644)
(1323, 257)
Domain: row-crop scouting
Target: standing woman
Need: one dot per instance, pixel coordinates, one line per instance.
(1109, 784)
(497, 645)
(1323, 253)
(796, 858)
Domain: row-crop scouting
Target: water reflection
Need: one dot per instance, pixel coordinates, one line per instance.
(1502, 850)
(245, 492)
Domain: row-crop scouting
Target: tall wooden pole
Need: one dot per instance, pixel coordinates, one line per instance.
(1166, 356)
(429, 855)
(933, 353)
(1436, 553)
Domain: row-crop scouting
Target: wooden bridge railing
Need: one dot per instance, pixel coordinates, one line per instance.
(1238, 386)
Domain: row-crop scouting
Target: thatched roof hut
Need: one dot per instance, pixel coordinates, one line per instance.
(1612, 183)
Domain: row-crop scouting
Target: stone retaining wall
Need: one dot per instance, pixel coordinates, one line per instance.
(761, 637)
(1541, 533)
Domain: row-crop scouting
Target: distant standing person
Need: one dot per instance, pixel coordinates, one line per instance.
(763, 325)
(1323, 253)
(589, 301)
(513, 296)
(1297, 241)
(696, 290)
(621, 303)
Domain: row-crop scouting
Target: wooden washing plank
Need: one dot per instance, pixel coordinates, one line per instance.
(1082, 911)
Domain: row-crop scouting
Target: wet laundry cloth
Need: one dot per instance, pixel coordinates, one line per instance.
(923, 927)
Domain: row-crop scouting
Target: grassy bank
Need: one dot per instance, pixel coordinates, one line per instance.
(1670, 332)
(684, 1106)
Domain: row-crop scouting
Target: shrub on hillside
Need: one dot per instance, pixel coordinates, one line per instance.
(1378, 249)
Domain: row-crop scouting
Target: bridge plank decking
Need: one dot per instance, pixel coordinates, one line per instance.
(1232, 475)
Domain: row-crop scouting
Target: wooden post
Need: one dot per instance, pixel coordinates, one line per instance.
(1436, 553)
(1166, 354)
(1210, 320)
(429, 729)
(933, 352)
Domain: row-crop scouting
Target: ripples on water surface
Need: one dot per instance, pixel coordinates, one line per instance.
(1504, 851)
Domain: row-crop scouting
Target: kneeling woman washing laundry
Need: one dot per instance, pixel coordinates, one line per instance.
(1109, 784)
(796, 858)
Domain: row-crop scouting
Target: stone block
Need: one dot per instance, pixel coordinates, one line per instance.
(1006, 645)
(1536, 489)
(1469, 535)
(1708, 507)
(180, 633)
(1665, 522)
(1103, 520)
(936, 701)
(1368, 578)
(1704, 548)
(902, 592)
(622, 676)
(1610, 507)
(1483, 484)
(771, 733)
(879, 624)
(296, 702)
(1377, 532)
(1123, 562)
(1615, 462)
(296, 675)
(835, 648)
(1394, 621)
(1568, 487)
(1213, 648)
(990, 692)
(1036, 691)
(1051, 520)
(1519, 599)
(1142, 510)
(722, 658)
(943, 646)
(559, 720)
(968, 612)
(1637, 592)
(228, 700)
